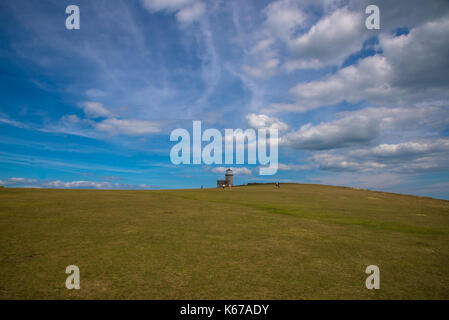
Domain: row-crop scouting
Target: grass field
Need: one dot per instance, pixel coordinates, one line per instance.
(255, 242)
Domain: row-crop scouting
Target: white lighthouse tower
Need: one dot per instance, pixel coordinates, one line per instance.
(229, 178)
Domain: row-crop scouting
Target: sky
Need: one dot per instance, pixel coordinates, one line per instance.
(94, 107)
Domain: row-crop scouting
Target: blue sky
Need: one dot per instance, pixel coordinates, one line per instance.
(94, 107)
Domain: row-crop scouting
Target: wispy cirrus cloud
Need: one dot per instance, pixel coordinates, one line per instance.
(130, 127)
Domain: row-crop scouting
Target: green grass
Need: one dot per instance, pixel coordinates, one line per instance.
(258, 242)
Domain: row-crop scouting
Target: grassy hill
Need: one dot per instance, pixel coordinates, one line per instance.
(255, 242)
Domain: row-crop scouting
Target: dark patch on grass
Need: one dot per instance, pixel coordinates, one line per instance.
(15, 259)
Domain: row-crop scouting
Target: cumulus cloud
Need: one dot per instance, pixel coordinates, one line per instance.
(187, 11)
(368, 80)
(294, 64)
(71, 124)
(405, 150)
(94, 109)
(17, 181)
(365, 126)
(339, 134)
(191, 13)
(262, 121)
(283, 18)
(353, 128)
(414, 156)
(288, 24)
(338, 162)
(406, 13)
(170, 5)
(412, 69)
(419, 59)
(91, 126)
(329, 41)
(58, 184)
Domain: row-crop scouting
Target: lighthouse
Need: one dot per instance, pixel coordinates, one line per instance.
(229, 178)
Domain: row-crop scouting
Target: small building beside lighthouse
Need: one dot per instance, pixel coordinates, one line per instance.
(229, 180)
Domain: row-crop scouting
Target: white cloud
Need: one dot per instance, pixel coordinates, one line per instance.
(329, 41)
(339, 162)
(263, 70)
(365, 81)
(420, 59)
(71, 118)
(94, 109)
(408, 149)
(413, 156)
(283, 17)
(262, 46)
(13, 123)
(170, 5)
(287, 30)
(411, 70)
(91, 126)
(187, 11)
(16, 181)
(130, 127)
(295, 64)
(339, 33)
(356, 128)
(78, 184)
(367, 125)
(72, 124)
(191, 13)
(265, 51)
(262, 121)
